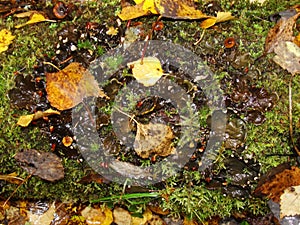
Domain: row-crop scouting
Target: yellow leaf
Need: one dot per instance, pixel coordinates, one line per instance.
(179, 9)
(24, 121)
(147, 215)
(147, 72)
(176, 9)
(221, 17)
(5, 39)
(131, 12)
(112, 31)
(35, 18)
(97, 216)
(68, 87)
(149, 5)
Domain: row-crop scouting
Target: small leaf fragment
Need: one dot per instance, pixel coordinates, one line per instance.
(146, 72)
(290, 202)
(221, 17)
(6, 39)
(24, 121)
(35, 18)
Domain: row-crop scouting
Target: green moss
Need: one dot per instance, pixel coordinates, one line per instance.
(268, 144)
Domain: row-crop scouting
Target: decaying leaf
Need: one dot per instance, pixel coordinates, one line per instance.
(45, 218)
(176, 9)
(288, 56)
(290, 202)
(97, 216)
(221, 17)
(24, 121)
(148, 71)
(121, 216)
(273, 185)
(129, 170)
(46, 165)
(34, 18)
(281, 32)
(68, 87)
(154, 138)
(5, 39)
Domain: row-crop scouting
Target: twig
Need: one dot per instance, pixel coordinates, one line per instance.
(201, 37)
(291, 116)
(16, 190)
(51, 64)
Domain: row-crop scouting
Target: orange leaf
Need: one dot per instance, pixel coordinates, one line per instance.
(68, 87)
(277, 180)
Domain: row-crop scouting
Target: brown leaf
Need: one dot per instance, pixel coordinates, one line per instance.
(154, 139)
(288, 56)
(282, 31)
(68, 87)
(46, 165)
(273, 185)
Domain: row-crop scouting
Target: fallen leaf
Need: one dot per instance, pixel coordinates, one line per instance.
(288, 56)
(5, 39)
(45, 218)
(121, 216)
(146, 72)
(179, 9)
(176, 9)
(154, 139)
(34, 18)
(281, 32)
(112, 31)
(97, 216)
(12, 178)
(68, 87)
(147, 215)
(290, 202)
(45, 165)
(273, 184)
(24, 121)
(221, 17)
